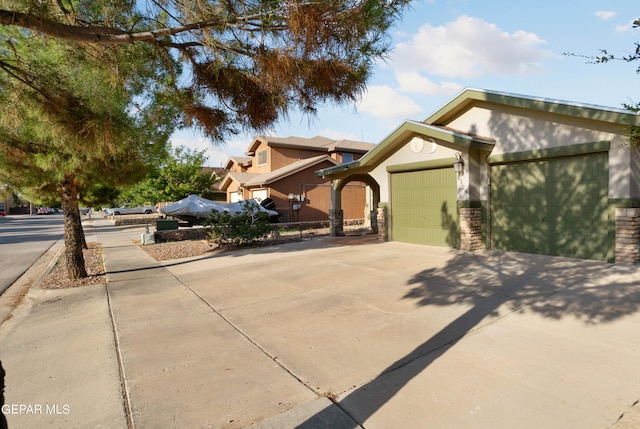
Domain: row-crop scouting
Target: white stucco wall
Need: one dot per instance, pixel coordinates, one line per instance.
(515, 132)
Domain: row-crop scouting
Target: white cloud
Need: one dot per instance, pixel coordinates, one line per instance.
(217, 156)
(605, 14)
(386, 103)
(469, 47)
(623, 28)
(413, 82)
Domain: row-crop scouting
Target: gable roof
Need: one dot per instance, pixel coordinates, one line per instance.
(400, 136)
(242, 161)
(350, 146)
(287, 170)
(254, 179)
(235, 176)
(211, 171)
(471, 97)
(435, 125)
(317, 143)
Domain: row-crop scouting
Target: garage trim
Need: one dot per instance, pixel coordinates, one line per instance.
(554, 152)
(422, 165)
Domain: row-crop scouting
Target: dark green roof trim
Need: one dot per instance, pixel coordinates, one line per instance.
(422, 165)
(624, 203)
(471, 96)
(352, 167)
(469, 204)
(554, 152)
(410, 129)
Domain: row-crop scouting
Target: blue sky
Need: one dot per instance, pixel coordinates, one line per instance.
(441, 47)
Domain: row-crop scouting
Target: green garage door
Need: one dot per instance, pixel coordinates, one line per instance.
(424, 207)
(555, 206)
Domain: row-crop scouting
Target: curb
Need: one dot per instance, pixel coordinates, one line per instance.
(13, 295)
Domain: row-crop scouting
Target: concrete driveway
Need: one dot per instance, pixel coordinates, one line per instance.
(338, 334)
(396, 335)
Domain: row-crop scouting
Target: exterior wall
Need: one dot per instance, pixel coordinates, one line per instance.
(264, 168)
(470, 228)
(6, 204)
(354, 201)
(232, 192)
(317, 197)
(521, 130)
(237, 168)
(635, 172)
(628, 235)
(283, 156)
(382, 220)
(338, 155)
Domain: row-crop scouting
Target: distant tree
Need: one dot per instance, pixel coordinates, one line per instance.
(248, 61)
(181, 175)
(605, 56)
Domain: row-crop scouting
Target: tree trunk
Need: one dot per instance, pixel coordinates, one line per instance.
(74, 240)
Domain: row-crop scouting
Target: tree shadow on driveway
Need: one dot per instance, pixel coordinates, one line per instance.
(492, 285)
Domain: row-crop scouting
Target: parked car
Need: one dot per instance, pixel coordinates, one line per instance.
(45, 211)
(3, 213)
(129, 208)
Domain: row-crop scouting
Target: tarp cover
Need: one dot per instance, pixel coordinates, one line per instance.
(200, 208)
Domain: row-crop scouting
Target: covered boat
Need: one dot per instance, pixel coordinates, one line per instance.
(195, 209)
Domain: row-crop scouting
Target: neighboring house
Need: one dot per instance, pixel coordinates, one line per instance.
(283, 169)
(536, 176)
(217, 193)
(6, 199)
(6, 204)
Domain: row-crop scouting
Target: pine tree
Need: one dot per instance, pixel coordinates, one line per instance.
(246, 63)
(68, 124)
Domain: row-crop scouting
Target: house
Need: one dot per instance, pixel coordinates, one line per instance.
(283, 169)
(215, 172)
(493, 170)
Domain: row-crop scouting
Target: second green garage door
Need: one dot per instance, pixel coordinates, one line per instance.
(555, 206)
(424, 207)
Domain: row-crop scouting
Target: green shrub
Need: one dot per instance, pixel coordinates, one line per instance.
(248, 226)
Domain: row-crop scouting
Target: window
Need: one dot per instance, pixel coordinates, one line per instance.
(347, 157)
(262, 157)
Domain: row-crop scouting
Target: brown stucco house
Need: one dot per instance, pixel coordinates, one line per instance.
(283, 169)
(493, 170)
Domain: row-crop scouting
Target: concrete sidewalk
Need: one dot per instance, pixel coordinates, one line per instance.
(321, 334)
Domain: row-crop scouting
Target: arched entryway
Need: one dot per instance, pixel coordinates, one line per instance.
(336, 214)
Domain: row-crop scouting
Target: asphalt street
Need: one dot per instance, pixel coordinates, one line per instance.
(23, 239)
